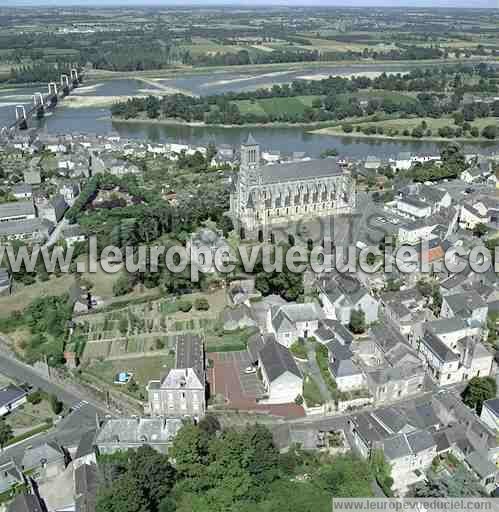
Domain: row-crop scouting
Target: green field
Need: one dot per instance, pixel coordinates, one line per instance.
(275, 106)
(397, 97)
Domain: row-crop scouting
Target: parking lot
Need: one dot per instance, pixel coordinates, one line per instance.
(242, 390)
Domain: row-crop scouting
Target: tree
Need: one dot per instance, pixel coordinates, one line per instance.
(480, 230)
(190, 451)
(477, 391)
(6, 433)
(357, 321)
(382, 471)
(55, 404)
(347, 477)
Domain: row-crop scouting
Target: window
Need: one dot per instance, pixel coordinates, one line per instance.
(449, 376)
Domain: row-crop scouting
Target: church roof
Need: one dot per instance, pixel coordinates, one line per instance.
(295, 171)
(250, 141)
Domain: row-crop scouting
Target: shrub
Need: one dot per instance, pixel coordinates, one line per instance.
(202, 304)
(185, 306)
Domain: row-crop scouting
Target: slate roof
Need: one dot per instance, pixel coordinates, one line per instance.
(391, 418)
(23, 227)
(439, 348)
(138, 430)
(25, 503)
(480, 464)
(493, 405)
(86, 444)
(342, 365)
(277, 360)
(420, 441)
(397, 373)
(464, 303)
(10, 394)
(190, 354)
(47, 453)
(286, 316)
(298, 171)
(17, 209)
(396, 447)
(86, 484)
(446, 325)
(255, 345)
(22, 188)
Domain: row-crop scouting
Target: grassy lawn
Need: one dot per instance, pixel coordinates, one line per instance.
(229, 341)
(396, 97)
(30, 414)
(311, 392)
(144, 369)
(25, 294)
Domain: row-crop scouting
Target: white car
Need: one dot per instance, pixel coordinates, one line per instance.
(250, 370)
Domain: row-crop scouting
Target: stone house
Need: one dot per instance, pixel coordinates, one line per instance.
(281, 376)
(292, 321)
(343, 294)
(182, 392)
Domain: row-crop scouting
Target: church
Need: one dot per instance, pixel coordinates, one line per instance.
(277, 194)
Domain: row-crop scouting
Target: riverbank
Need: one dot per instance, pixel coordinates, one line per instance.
(327, 128)
(334, 132)
(102, 74)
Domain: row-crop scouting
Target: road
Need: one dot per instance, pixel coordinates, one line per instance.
(70, 429)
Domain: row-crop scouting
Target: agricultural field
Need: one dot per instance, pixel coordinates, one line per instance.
(275, 106)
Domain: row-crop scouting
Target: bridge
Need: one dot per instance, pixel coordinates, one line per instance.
(42, 103)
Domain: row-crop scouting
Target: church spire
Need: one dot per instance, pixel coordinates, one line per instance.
(250, 141)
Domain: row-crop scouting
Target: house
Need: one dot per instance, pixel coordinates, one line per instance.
(470, 216)
(348, 376)
(490, 413)
(281, 376)
(11, 397)
(52, 210)
(414, 208)
(403, 162)
(238, 317)
(443, 363)
(86, 483)
(483, 469)
(410, 450)
(395, 382)
(47, 460)
(411, 233)
(182, 391)
(5, 282)
(19, 210)
(22, 191)
(330, 330)
(69, 191)
(32, 176)
(36, 230)
(121, 434)
(292, 321)
(73, 234)
(468, 306)
(26, 503)
(372, 162)
(85, 453)
(10, 476)
(342, 294)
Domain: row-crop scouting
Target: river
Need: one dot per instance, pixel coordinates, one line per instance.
(89, 115)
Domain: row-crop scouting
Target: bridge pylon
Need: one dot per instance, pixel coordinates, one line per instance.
(74, 77)
(21, 117)
(65, 84)
(53, 94)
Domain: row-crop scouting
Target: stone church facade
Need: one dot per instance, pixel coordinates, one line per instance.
(274, 195)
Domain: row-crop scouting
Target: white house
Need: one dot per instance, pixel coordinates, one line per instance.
(292, 321)
(490, 413)
(469, 306)
(11, 397)
(470, 216)
(346, 373)
(411, 233)
(281, 376)
(413, 207)
(443, 363)
(403, 162)
(343, 294)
